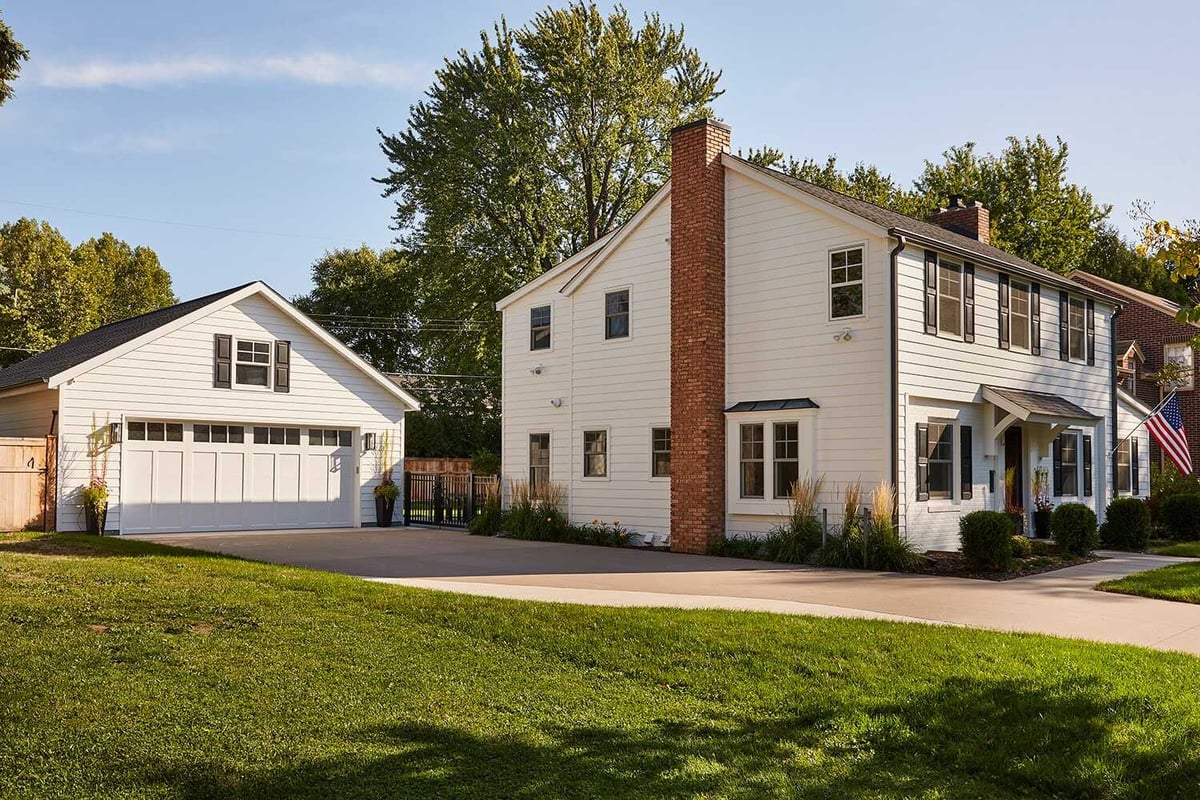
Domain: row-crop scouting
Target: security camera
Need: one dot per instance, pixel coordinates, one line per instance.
(537, 370)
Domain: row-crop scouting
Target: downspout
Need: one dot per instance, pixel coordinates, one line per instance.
(1112, 368)
(895, 384)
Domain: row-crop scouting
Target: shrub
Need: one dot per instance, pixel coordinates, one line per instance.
(597, 533)
(534, 513)
(796, 539)
(1126, 524)
(1073, 526)
(490, 519)
(871, 543)
(1021, 547)
(987, 539)
(1180, 516)
(485, 462)
(738, 547)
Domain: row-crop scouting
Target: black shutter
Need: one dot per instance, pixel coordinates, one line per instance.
(283, 366)
(1091, 332)
(964, 447)
(1064, 343)
(1005, 329)
(222, 361)
(931, 276)
(922, 461)
(1134, 477)
(1035, 319)
(968, 302)
(1056, 449)
(1087, 465)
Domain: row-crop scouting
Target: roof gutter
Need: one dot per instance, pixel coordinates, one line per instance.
(1007, 266)
(895, 358)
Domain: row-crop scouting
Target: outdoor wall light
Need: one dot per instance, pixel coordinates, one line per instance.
(556, 402)
(368, 442)
(114, 432)
(844, 335)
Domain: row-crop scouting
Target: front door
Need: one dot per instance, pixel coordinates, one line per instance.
(1014, 460)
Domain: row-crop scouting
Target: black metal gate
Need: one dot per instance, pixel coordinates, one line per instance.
(448, 500)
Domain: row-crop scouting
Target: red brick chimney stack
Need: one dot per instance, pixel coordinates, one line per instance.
(697, 335)
(969, 219)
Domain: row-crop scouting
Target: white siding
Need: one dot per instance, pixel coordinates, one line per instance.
(170, 378)
(938, 371)
(29, 413)
(780, 338)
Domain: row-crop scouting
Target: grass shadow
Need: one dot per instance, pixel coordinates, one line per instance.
(81, 545)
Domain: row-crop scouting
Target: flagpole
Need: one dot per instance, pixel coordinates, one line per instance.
(1157, 408)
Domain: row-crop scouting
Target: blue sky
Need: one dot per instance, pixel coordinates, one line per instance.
(256, 120)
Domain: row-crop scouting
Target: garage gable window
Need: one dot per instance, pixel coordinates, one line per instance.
(253, 366)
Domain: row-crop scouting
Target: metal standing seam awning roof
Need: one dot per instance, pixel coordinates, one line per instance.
(1027, 406)
(771, 405)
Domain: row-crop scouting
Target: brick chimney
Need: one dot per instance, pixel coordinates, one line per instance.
(969, 219)
(697, 335)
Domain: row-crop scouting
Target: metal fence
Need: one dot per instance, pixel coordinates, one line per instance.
(447, 500)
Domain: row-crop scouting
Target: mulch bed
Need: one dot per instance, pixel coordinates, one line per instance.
(952, 565)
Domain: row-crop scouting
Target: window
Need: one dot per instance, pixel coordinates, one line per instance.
(595, 454)
(539, 459)
(539, 328)
(941, 460)
(787, 457)
(1068, 461)
(253, 363)
(1124, 476)
(284, 436)
(137, 431)
(752, 460)
(1018, 314)
(1127, 379)
(1076, 329)
(156, 431)
(1181, 353)
(218, 434)
(660, 452)
(325, 437)
(846, 283)
(616, 314)
(950, 298)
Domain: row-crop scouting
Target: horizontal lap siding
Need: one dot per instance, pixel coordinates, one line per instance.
(171, 378)
(942, 369)
(780, 338)
(29, 414)
(1129, 421)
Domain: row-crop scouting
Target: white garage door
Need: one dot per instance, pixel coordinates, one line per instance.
(179, 476)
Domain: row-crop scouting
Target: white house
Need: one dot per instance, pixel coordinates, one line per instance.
(227, 412)
(745, 328)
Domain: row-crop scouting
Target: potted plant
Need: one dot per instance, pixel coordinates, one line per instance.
(386, 494)
(1011, 506)
(95, 505)
(1041, 503)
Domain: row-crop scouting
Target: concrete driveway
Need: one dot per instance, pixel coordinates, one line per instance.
(1062, 603)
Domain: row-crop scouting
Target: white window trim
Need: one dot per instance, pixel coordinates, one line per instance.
(270, 366)
(604, 316)
(529, 324)
(955, 499)
(1077, 496)
(829, 282)
(1027, 348)
(650, 438)
(549, 450)
(806, 420)
(1191, 384)
(1072, 300)
(955, 337)
(1128, 445)
(608, 451)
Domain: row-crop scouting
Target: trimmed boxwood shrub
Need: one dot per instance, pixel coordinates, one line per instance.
(1073, 526)
(1021, 546)
(1180, 516)
(986, 538)
(1126, 525)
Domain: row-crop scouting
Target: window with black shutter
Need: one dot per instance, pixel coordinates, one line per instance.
(968, 302)
(1134, 465)
(1035, 319)
(283, 366)
(931, 292)
(1005, 329)
(1087, 465)
(222, 361)
(922, 450)
(1091, 332)
(967, 490)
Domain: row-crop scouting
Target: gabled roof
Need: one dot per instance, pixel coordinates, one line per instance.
(1038, 406)
(87, 351)
(1168, 307)
(1133, 403)
(1124, 346)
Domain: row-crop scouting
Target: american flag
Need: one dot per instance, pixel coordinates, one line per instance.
(1167, 429)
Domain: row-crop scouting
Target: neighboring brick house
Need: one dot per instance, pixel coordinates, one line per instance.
(1148, 335)
(745, 329)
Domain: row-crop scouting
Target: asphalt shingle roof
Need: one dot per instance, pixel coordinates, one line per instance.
(45, 365)
(1050, 405)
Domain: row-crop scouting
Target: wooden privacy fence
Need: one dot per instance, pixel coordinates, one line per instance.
(448, 500)
(458, 466)
(27, 481)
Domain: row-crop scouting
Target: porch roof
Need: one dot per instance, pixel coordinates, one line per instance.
(771, 405)
(1030, 406)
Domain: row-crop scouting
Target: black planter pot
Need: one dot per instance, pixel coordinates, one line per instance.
(1018, 522)
(385, 507)
(94, 519)
(1041, 524)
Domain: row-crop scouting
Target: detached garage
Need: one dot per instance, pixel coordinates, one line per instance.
(229, 412)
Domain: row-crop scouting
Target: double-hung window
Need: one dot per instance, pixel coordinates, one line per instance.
(950, 298)
(751, 460)
(1068, 475)
(846, 283)
(253, 367)
(616, 314)
(1181, 353)
(539, 459)
(660, 452)
(941, 460)
(1124, 470)
(1077, 329)
(595, 454)
(539, 328)
(1018, 315)
(787, 457)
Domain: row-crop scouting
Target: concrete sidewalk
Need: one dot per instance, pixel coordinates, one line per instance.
(1061, 603)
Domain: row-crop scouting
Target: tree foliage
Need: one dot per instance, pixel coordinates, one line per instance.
(51, 292)
(12, 53)
(1175, 249)
(864, 181)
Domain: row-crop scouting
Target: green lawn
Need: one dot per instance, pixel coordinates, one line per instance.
(1167, 548)
(131, 670)
(1179, 582)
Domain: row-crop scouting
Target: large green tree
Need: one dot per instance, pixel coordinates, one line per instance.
(12, 53)
(51, 292)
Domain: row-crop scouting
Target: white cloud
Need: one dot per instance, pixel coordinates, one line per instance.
(325, 69)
